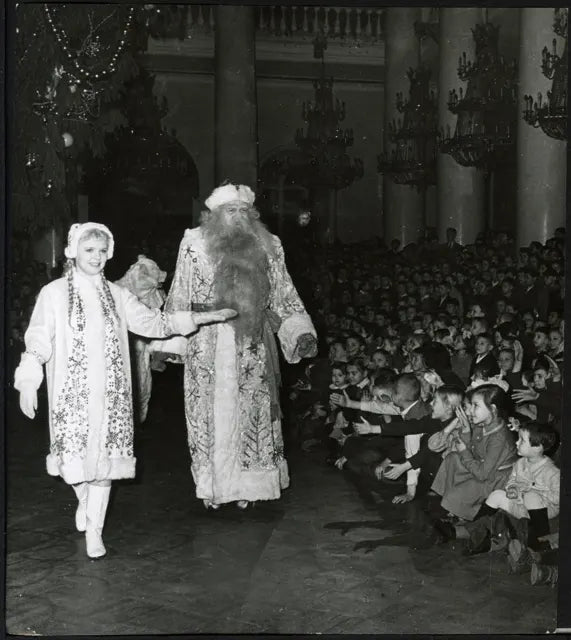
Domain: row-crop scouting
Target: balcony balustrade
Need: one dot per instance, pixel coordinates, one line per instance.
(350, 24)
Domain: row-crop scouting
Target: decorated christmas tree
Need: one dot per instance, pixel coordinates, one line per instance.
(71, 63)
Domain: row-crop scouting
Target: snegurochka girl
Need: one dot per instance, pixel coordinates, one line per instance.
(78, 330)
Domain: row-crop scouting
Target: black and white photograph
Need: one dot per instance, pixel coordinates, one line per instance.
(285, 319)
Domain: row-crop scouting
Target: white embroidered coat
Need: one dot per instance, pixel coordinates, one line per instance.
(103, 448)
(235, 443)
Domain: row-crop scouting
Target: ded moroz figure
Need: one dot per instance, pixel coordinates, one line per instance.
(231, 376)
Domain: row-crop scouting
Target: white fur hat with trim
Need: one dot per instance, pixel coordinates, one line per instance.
(230, 193)
(77, 230)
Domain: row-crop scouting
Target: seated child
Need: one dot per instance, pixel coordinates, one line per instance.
(335, 422)
(483, 347)
(483, 372)
(461, 360)
(363, 452)
(358, 384)
(556, 345)
(541, 401)
(531, 491)
(481, 459)
(407, 397)
(380, 359)
(427, 460)
(506, 362)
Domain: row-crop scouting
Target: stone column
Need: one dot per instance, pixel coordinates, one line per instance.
(402, 205)
(461, 190)
(236, 136)
(542, 161)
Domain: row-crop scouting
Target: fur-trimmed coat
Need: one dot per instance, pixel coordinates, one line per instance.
(101, 446)
(234, 436)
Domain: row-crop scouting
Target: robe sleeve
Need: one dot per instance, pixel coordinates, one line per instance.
(287, 305)
(178, 299)
(39, 343)
(180, 292)
(147, 322)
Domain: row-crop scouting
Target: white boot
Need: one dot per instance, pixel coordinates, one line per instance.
(97, 500)
(81, 512)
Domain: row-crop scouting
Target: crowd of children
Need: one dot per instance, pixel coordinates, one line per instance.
(441, 368)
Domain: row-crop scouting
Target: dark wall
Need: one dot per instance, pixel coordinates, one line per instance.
(191, 113)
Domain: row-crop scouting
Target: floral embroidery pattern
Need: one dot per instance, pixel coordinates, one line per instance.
(261, 437)
(118, 407)
(70, 413)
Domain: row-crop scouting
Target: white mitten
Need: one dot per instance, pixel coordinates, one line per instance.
(28, 400)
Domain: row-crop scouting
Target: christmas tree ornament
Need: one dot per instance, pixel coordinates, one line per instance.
(31, 160)
(67, 139)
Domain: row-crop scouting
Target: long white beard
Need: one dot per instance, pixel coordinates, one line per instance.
(240, 274)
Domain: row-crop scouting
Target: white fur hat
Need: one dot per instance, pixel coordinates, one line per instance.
(230, 193)
(77, 230)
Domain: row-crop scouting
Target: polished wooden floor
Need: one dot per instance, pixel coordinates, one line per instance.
(319, 560)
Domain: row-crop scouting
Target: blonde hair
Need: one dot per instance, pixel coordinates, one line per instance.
(450, 395)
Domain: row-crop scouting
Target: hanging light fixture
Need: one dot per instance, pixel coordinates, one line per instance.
(325, 143)
(485, 126)
(551, 114)
(412, 160)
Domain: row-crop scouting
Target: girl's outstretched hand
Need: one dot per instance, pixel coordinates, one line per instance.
(29, 401)
(220, 315)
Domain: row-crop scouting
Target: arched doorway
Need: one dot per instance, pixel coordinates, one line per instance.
(144, 192)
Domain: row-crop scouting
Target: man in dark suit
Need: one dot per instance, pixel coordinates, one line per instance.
(451, 248)
(535, 292)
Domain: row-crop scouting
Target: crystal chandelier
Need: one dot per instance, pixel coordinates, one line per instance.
(551, 114)
(412, 161)
(325, 143)
(485, 126)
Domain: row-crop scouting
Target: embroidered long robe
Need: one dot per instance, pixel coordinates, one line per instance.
(101, 446)
(234, 436)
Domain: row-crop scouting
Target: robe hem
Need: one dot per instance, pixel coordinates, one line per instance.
(73, 471)
(254, 486)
